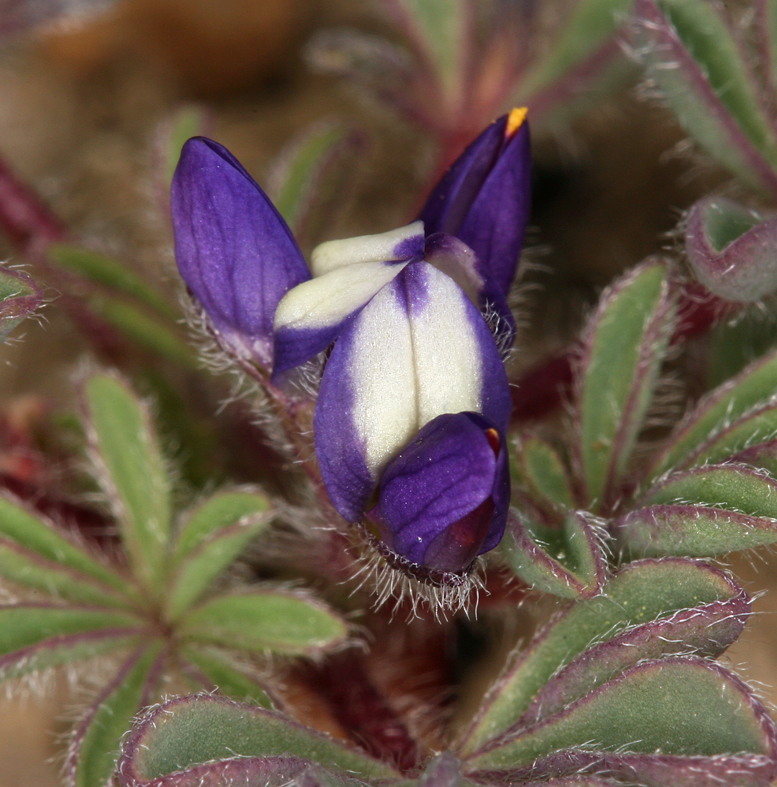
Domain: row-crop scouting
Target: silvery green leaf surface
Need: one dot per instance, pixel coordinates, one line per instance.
(95, 745)
(218, 670)
(731, 249)
(752, 387)
(641, 592)
(623, 351)
(132, 472)
(566, 561)
(43, 635)
(693, 56)
(711, 510)
(186, 733)
(544, 473)
(38, 535)
(677, 706)
(266, 621)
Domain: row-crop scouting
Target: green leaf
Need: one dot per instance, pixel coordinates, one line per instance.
(220, 672)
(35, 637)
(146, 330)
(203, 565)
(675, 706)
(20, 296)
(440, 29)
(133, 474)
(24, 567)
(757, 426)
(712, 510)
(754, 386)
(310, 183)
(624, 349)
(265, 621)
(194, 730)
(692, 55)
(639, 593)
(41, 537)
(731, 346)
(219, 511)
(104, 270)
(705, 630)
(95, 746)
(731, 487)
(545, 473)
(567, 562)
(589, 27)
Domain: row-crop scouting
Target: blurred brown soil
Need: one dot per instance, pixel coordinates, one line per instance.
(78, 112)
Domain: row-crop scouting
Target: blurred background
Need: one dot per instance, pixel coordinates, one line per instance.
(93, 92)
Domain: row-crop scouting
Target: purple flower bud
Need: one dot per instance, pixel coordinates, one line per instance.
(443, 499)
(233, 249)
(732, 249)
(418, 350)
(484, 199)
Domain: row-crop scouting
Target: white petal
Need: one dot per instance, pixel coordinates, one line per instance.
(366, 248)
(329, 299)
(409, 366)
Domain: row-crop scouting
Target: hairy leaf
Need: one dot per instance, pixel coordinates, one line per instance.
(133, 474)
(95, 746)
(544, 472)
(754, 386)
(678, 706)
(692, 56)
(639, 593)
(190, 731)
(20, 296)
(567, 562)
(623, 352)
(265, 621)
(217, 670)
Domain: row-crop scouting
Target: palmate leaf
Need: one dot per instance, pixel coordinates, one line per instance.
(210, 541)
(132, 473)
(189, 732)
(692, 55)
(641, 592)
(623, 351)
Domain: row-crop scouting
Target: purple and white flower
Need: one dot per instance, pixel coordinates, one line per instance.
(413, 407)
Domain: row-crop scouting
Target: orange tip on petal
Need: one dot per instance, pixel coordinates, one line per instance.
(515, 120)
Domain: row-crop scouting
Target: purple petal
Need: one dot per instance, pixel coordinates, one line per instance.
(442, 498)
(233, 248)
(485, 197)
(419, 349)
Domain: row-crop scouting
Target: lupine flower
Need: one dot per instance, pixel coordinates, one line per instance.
(233, 249)
(413, 407)
(471, 228)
